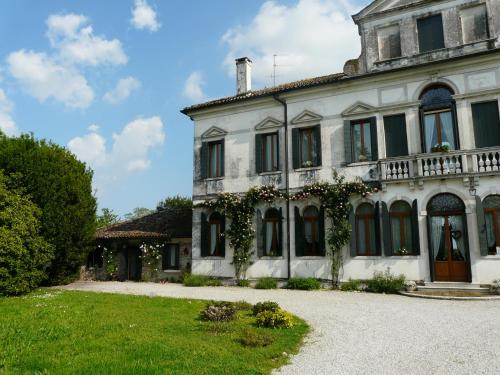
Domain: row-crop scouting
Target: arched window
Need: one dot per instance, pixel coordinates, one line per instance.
(401, 228)
(272, 230)
(311, 231)
(491, 205)
(438, 122)
(215, 238)
(365, 230)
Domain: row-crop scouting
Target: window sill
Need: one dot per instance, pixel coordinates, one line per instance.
(311, 257)
(266, 257)
(212, 258)
(306, 169)
(208, 179)
(362, 163)
(367, 257)
(403, 257)
(270, 173)
(172, 271)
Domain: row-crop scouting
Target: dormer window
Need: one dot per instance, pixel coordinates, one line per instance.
(389, 42)
(430, 33)
(474, 24)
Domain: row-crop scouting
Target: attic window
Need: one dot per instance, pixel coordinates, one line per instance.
(430, 33)
(389, 42)
(474, 23)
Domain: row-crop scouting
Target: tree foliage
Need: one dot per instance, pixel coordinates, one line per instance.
(61, 186)
(176, 201)
(24, 254)
(138, 212)
(106, 218)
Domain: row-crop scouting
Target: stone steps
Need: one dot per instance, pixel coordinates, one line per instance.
(451, 287)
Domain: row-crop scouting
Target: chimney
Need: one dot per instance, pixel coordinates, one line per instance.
(243, 75)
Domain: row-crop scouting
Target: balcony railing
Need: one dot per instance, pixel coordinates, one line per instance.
(481, 161)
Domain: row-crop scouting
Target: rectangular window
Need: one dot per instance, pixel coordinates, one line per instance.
(486, 121)
(396, 143)
(439, 131)
(309, 147)
(474, 24)
(270, 152)
(170, 257)
(389, 42)
(215, 162)
(361, 140)
(430, 33)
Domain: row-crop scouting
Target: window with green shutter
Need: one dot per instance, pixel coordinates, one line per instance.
(430, 33)
(396, 143)
(364, 140)
(170, 257)
(267, 152)
(306, 143)
(486, 121)
(215, 155)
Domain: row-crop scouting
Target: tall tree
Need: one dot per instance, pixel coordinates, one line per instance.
(176, 201)
(106, 218)
(61, 186)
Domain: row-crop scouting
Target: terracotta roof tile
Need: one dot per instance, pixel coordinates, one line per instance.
(161, 224)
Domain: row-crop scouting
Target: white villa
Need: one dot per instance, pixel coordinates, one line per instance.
(417, 114)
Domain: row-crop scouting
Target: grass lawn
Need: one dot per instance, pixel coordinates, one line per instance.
(63, 332)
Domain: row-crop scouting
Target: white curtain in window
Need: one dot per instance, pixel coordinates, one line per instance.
(458, 238)
(356, 133)
(447, 129)
(361, 237)
(430, 130)
(213, 238)
(368, 141)
(490, 230)
(269, 237)
(396, 234)
(436, 234)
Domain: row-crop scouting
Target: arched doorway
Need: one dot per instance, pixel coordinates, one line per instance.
(448, 241)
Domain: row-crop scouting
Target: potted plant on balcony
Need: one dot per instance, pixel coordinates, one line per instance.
(495, 287)
(402, 251)
(441, 147)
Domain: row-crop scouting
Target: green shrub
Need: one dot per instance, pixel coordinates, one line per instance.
(242, 305)
(265, 306)
(303, 283)
(214, 282)
(385, 282)
(255, 339)
(243, 283)
(351, 285)
(218, 312)
(195, 280)
(266, 283)
(24, 254)
(274, 319)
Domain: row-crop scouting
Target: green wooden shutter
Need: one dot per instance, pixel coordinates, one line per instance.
(295, 148)
(177, 256)
(280, 232)
(299, 233)
(322, 246)
(430, 33)
(386, 231)
(260, 234)
(317, 138)
(396, 142)
(352, 241)
(278, 160)
(258, 153)
(373, 138)
(223, 238)
(222, 158)
(415, 233)
(204, 160)
(378, 233)
(347, 142)
(204, 246)
(486, 124)
(481, 227)
(429, 244)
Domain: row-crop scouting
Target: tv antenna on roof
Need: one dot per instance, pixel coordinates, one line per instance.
(275, 65)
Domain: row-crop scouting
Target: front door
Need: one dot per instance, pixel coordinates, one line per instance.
(449, 248)
(133, 264)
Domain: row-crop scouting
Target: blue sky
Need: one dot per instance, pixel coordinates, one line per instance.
(107, 78)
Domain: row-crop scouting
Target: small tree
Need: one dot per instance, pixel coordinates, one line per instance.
(106, 218)
(138, 212)
(24, 254)
(175, 201)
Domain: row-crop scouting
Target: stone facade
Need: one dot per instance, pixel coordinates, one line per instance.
(372, 89)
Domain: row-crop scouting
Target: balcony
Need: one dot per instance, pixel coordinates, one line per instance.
(442, 165)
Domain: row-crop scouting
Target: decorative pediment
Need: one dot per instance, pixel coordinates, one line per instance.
(268, 123)
(380, 6)
(359, 108)
(306, 117)
(214, 131)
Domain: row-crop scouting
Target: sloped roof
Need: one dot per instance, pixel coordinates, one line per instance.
(268, 91)
(173, 223)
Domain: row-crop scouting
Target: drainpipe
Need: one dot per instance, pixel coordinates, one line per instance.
(380, 216)
(287, 185)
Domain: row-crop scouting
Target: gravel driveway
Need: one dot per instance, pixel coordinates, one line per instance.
(361, 333)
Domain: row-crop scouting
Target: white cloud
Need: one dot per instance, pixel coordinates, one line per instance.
(193, 87)
(144, 17)
(93, 128)
(77, 43)
(43, 78)
(129, 152)
(122, 91)
(311, 38)
(7, 124)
